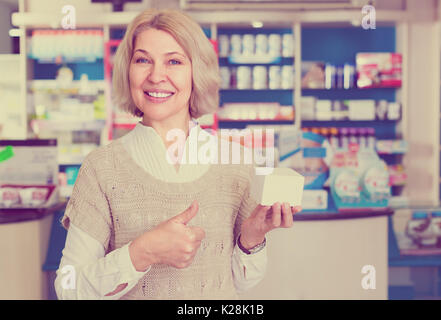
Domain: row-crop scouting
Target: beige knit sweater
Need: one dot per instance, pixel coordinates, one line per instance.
(115, 201)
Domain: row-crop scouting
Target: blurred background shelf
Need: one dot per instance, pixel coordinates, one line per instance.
(256, 61)
(328, 36)
(58, 125)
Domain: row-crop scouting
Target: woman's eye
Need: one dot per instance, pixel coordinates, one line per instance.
(173, 61)
(141, 60)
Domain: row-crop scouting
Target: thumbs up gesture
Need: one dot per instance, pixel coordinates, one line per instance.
(172, 242)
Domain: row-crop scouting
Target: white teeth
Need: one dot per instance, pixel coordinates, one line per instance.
(159, 94)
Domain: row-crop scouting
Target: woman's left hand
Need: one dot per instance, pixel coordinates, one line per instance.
(264, 219)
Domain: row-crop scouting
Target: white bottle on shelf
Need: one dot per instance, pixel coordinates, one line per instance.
(274, 45)
(224, 45)
(259, 78)
(287, 45)
(261, 44)
(235, 45)
(287, 77)
(248, 42)
(243, 77)
(274, 77)
(225, 77)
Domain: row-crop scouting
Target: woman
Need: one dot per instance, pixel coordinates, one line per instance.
(140, 227)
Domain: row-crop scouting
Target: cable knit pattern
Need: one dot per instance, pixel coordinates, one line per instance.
(115, 201)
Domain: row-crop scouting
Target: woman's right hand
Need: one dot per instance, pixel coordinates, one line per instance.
(172, 242)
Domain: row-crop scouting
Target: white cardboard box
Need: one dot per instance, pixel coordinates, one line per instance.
(361, 109)
(282, 185)
(323, 110)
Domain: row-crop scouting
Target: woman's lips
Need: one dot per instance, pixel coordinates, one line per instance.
(158, 96)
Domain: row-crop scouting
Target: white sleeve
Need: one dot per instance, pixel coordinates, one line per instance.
(248, 269)
(85, 272)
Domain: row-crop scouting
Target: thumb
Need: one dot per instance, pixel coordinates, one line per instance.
(185, 216)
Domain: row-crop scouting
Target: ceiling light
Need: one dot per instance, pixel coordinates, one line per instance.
(356, 23)
(257, 24)
(15, 32)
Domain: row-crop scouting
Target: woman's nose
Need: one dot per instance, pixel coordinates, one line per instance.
(157, 73)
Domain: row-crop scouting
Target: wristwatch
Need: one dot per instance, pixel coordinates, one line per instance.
(254, 249)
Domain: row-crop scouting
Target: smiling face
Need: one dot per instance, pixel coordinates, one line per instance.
(160, 77)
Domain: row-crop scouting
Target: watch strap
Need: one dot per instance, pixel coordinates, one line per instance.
(252, 250)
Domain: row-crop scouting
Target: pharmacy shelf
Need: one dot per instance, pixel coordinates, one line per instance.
(277, 119)
(388, 94)
(292, 22)
(85, 19)
(266, 61)
(250, 91)
(208, 17)
(347, 123)
(384, 129)
(75, 87)
(285, 97)
(349, 89)
(241, 124)
(61, 60)
(52, 125)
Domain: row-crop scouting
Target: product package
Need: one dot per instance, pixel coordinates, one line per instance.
(361, 110)
(359, 179)
(282, 185)
(323, 110)
(397, 175)
(285, 140)
(391, 146)
(312, 162)
(27, 196)
(29, 177)
(315, 200)
(379, 69)
(313, 75)
(308, 107)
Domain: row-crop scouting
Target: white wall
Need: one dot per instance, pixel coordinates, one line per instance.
(324, 260)
(422, 160)
(423, 126)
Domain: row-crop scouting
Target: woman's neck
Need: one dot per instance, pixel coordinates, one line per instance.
(163, 127)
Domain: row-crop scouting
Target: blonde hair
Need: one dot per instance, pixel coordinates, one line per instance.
(204, 97)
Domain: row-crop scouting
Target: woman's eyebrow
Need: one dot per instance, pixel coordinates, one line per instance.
(166, 54)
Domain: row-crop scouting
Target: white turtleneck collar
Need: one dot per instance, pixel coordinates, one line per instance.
(147, 149)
